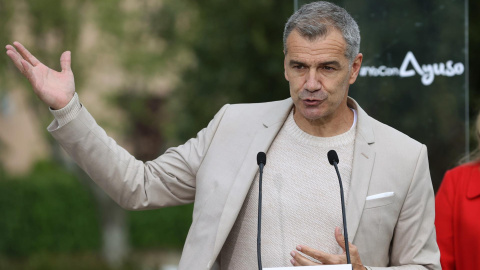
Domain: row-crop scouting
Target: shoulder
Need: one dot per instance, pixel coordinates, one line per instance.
(385, 138)
(256, 108)
(385, 134)
(262, 113)
(461, 180)
(463, 171)
(251, 111)
(470, 166)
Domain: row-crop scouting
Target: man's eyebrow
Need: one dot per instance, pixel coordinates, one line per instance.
(295, 62)
(330, 63)
(327, 63)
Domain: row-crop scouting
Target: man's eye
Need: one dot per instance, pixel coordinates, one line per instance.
(328, 68)
(298, 67)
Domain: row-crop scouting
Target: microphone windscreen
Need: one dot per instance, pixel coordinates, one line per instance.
(261, 158)
(332, 157)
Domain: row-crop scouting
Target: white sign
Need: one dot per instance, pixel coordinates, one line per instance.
(426, 71)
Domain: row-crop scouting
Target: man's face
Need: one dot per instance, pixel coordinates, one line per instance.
(319, 75)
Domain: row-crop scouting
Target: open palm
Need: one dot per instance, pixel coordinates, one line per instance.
(54, 88)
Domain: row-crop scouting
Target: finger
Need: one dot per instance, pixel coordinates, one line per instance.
(28, 72)
(66, 61)
(300, 260)
(16, 58)
(316, 254)
(26, 54)
(294, 262)
(352, 248)
(10, 47)
(340, 238)
(322, 257)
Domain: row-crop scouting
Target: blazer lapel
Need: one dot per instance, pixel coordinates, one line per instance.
(363, 160)
(273, 122)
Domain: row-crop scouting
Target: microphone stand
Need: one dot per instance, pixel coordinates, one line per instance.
(345, 233)
(261, 161)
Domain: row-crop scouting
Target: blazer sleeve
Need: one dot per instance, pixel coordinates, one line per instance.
(444, 221)
(168, 180)
(414, 243)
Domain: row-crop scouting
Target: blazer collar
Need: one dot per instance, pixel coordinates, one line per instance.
(363, 160)
(364, 124)
(278, 114)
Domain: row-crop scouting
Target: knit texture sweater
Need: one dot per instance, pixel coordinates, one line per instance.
(300, 200)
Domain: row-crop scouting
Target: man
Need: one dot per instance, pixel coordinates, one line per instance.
(390, 206)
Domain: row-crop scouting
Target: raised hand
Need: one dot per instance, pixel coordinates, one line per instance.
(54, 88)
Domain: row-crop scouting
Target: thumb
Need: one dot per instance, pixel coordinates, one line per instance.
(340, 238)
(66, 61)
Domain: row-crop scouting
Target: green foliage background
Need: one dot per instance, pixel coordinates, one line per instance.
(50, 212)
(238, 58)
(46, 210)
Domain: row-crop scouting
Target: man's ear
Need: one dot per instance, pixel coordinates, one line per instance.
(285, 66)
(357, 63)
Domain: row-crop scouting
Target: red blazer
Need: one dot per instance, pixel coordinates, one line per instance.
(457, 218)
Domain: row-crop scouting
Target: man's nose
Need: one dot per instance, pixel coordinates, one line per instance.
(312, 83)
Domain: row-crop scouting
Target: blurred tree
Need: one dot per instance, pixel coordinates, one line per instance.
(5, 7)
(238, 58)
(53, 26)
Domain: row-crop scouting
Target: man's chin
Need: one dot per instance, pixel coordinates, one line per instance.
(311, 115)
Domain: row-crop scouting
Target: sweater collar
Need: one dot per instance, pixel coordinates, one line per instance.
(364, 127)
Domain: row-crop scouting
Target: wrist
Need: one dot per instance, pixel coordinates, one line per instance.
(63, 102)
(68, 112)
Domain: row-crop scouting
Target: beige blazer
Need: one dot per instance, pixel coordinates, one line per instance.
(215, 170)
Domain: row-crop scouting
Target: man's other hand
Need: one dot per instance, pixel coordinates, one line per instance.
(325, 258)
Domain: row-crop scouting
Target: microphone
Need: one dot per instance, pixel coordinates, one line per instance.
(333, 159)
(261, 161)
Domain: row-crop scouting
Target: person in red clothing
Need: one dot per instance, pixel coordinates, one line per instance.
(457, 218)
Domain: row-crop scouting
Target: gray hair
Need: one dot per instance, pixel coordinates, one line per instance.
(314, 20)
